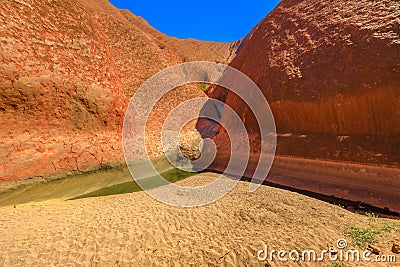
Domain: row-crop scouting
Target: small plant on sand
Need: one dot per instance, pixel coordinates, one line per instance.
(371, 216)
(337, 264)
(391, 228)
(15, 206)
(368, 235)
(362, 236)
(202, 86)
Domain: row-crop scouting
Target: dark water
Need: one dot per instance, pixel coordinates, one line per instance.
(171, 176)
(68, 186)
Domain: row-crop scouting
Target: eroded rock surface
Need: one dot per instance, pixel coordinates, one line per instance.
(67, 70)
(330, 71)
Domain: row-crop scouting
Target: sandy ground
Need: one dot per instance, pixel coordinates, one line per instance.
(135, 230)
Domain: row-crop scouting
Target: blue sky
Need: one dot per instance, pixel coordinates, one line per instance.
(210, 20)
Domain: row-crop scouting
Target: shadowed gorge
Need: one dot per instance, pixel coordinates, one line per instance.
(330, 72)
(114, 151)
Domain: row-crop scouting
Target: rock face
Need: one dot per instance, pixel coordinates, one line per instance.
(330, 71)
(67, 70)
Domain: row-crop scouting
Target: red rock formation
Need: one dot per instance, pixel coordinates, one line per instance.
(331, 73)
(67, 69)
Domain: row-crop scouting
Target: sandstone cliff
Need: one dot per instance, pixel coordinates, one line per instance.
(331, 73)
(67, 70)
